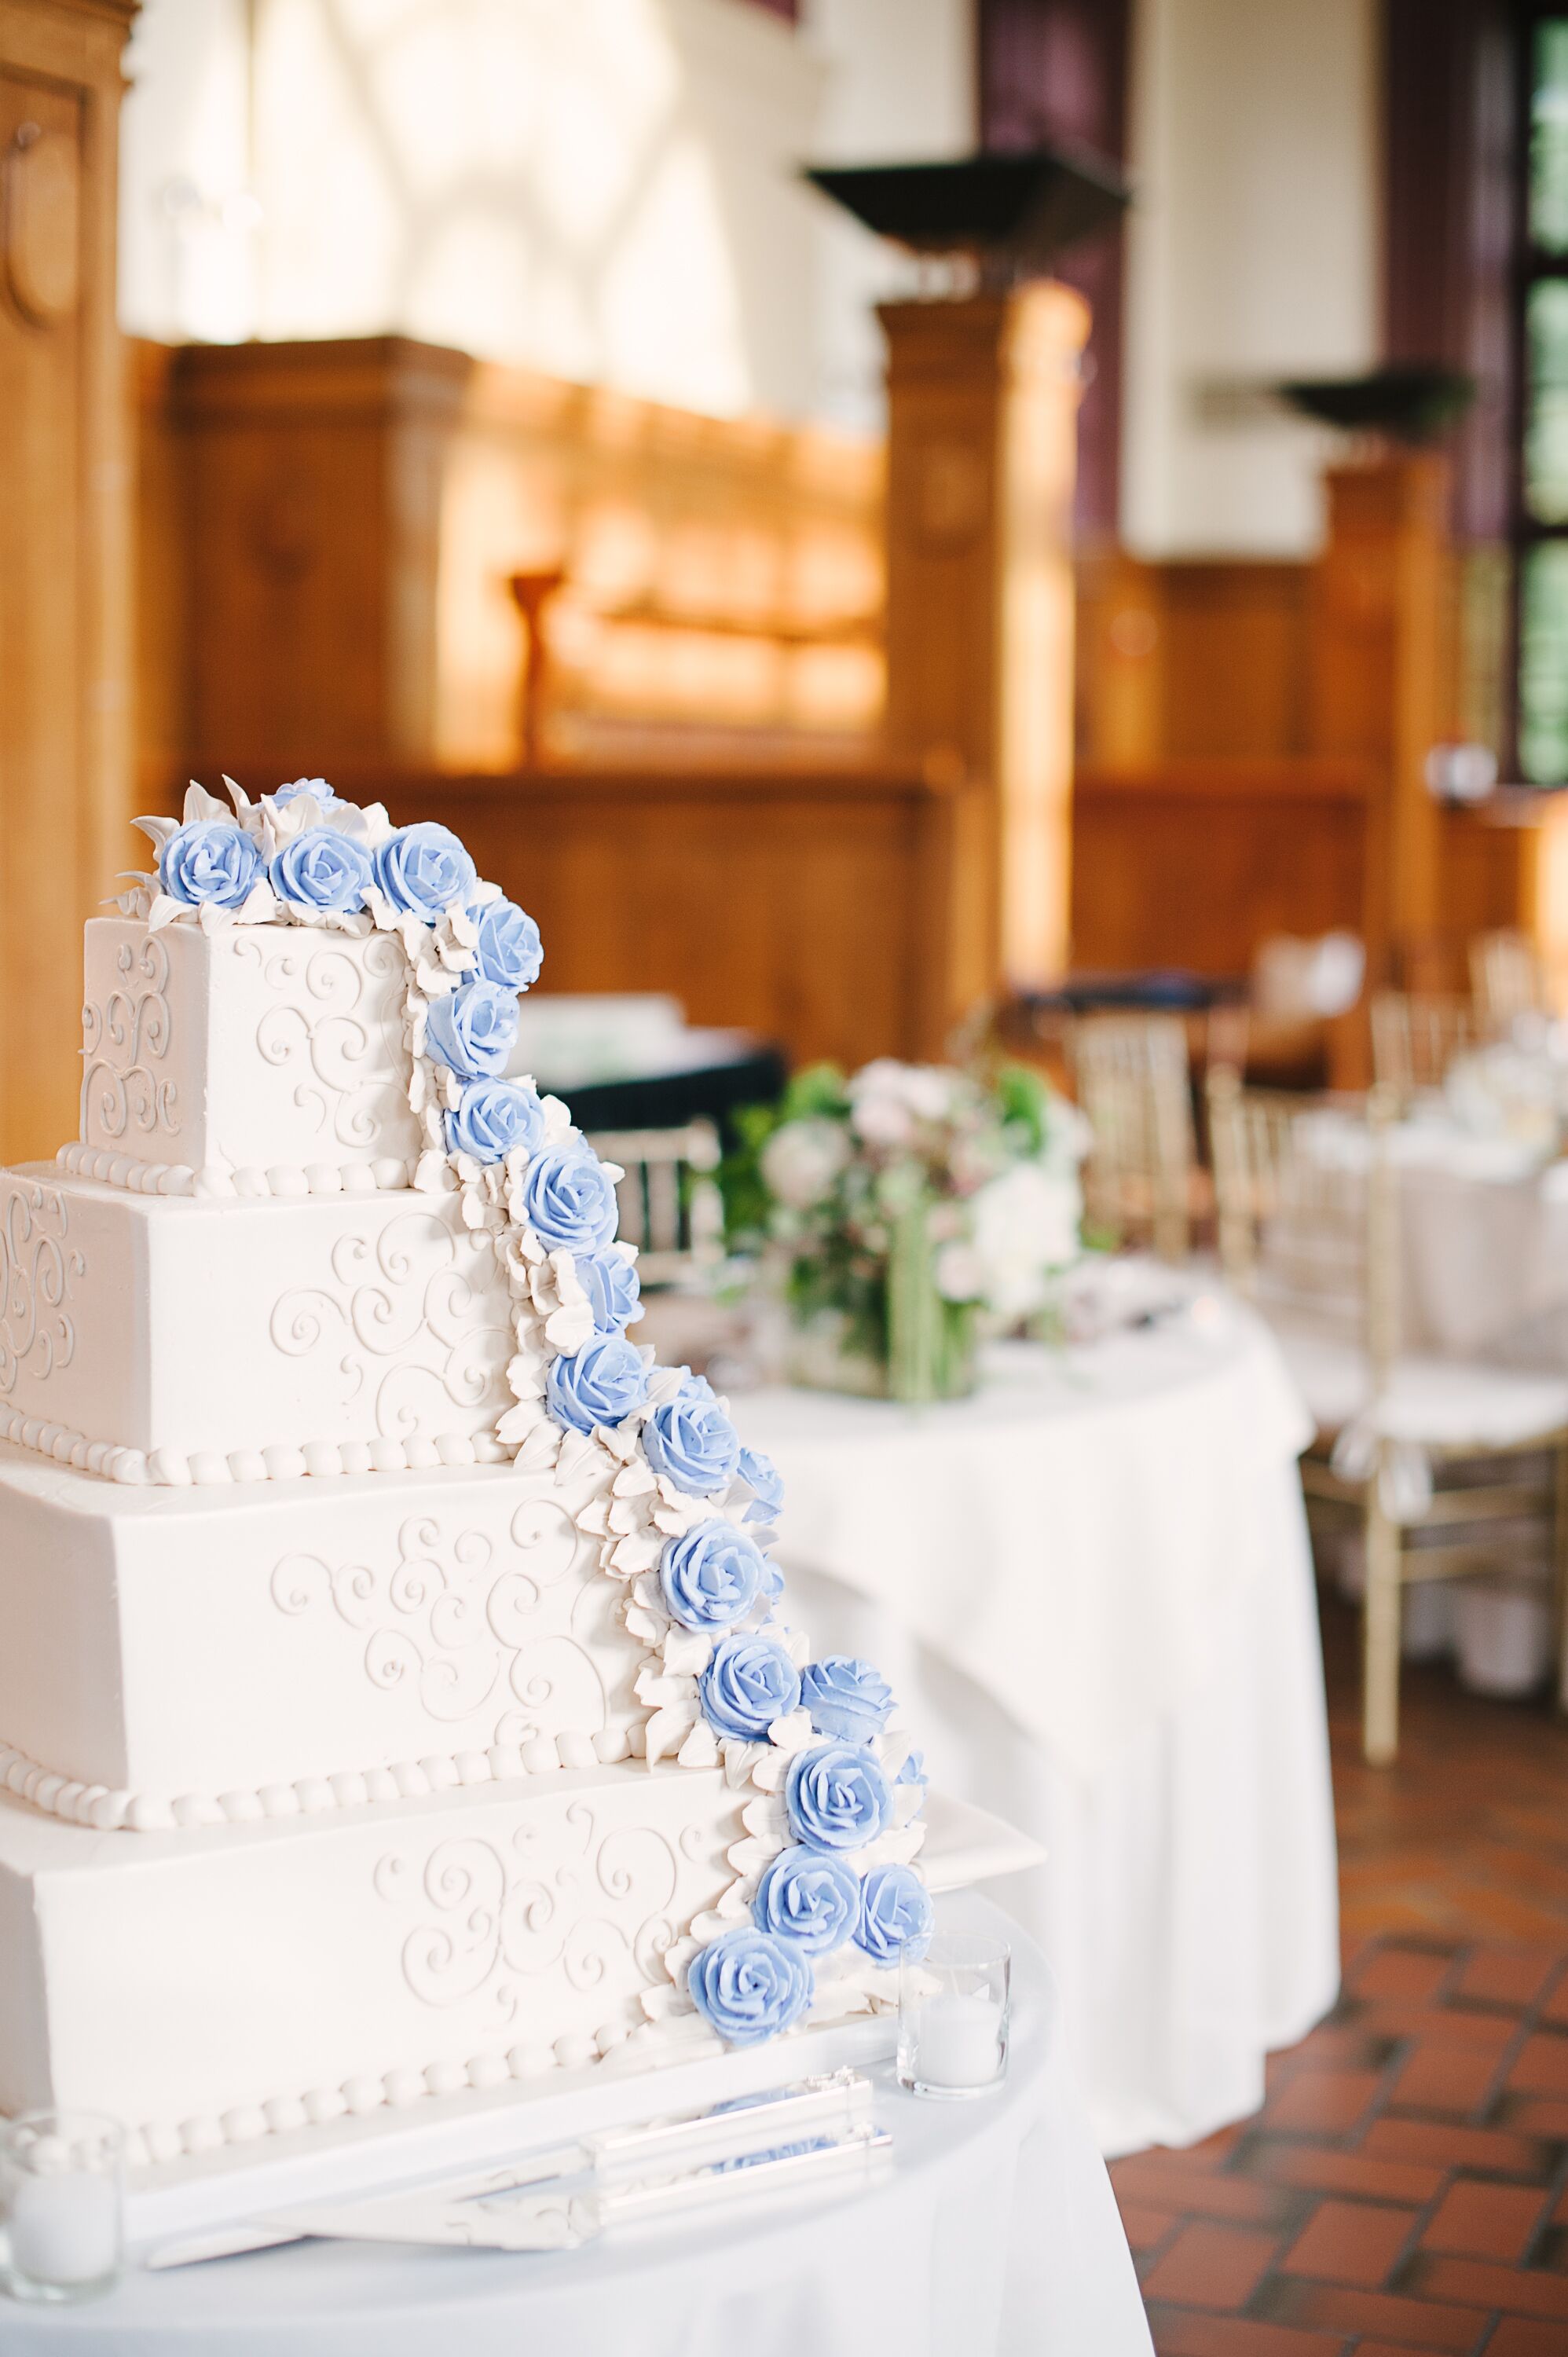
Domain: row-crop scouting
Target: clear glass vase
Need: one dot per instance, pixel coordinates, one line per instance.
(930, 1342)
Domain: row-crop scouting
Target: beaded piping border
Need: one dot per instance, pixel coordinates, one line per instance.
(386, 1173)
(108, 1811)
(205, 1469)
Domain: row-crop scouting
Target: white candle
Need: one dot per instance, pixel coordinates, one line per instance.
(957, 2041)
(65, 2230)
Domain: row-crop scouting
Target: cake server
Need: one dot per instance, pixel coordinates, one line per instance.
(831, 2103)
(562, 2221)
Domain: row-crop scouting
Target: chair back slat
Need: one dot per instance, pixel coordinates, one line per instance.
(1308, 1212)
(670, 1203)
(1134, 1088)
(1507, 979)
(1415, 1037)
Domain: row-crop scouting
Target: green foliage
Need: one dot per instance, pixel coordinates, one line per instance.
(1023, 1098)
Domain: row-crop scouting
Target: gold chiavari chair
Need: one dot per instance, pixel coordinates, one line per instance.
(1507, 979)
(1132, 1080)
(1415, 1038)
(1451, 1466)
(670, 1203)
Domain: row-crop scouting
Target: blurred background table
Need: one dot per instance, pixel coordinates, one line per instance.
(1090, 1585)
(1483, 1236)
(994, 2233)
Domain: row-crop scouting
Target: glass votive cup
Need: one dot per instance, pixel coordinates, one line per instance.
(62, 2210)
(954, 2004)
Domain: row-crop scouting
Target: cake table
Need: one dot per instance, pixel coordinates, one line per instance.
(1091, 1588)
(996, 2232)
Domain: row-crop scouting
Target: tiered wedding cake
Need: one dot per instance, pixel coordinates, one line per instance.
(487, 1754)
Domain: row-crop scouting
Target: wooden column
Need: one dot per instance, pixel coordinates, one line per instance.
(64, 732)
(982, 410)
(314, 474)
(1383, 684)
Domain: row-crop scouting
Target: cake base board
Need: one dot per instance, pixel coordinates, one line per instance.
(443, 2135)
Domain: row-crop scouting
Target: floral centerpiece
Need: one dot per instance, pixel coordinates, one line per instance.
(904, 1211)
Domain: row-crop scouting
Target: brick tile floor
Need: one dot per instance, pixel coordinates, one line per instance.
(1404, 2190)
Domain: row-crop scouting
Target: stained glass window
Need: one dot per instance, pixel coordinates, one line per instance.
(1543, 523)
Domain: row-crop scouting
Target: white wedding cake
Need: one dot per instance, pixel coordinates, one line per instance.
(394, 1693)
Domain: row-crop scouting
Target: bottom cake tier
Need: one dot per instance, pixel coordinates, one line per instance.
(215, 1985)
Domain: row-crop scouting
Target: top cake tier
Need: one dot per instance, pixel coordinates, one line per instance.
(249, 1060)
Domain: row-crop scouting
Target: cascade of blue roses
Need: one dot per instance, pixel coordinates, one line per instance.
(826, 1895)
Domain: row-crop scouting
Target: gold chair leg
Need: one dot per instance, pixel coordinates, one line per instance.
(1380, 1639)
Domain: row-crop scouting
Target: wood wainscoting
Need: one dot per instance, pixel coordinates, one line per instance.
(823, 909)
(64, 516)
(1193, 864)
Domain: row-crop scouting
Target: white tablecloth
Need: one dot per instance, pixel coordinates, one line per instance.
(996, 2232)
(1092, 1588)
(1483, 1238)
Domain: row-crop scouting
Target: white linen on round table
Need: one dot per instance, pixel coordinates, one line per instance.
(996, 2232)
(1092, 1588)
(1484, 1238)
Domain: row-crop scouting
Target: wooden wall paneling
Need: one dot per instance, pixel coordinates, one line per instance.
(815, 909)
(1235, 659)
(1193, 864)
(1384, 679)
(358, 509)
(63, 542)
(982, 400)
(161, 555)
(314, 475)
(1120, 665)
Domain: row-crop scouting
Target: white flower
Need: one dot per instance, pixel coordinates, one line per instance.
(1069, 1136)
(959, 1273)
(801, 1160)
(888, 1097)
(1026, 1225)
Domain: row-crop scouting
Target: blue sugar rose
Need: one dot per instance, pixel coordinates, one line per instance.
(692, 1441)
(762, 1478)
(846, 1698)
(510, 952)
(913, 1772)
(472, 1030)
(896, 1917)
(569, 1198)
(613, 1287)
(493, 1117)
(422, 869)
(749, 1682)
(748, 1986)
(711, 1576)
(321, 869)
(810, 1898)
(317, 789)
(600, 1383)
(208, 860)
(837, 1797)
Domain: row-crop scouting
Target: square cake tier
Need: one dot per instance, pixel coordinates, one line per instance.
(180, 1656)
(213, 1986)
(239, 1339)
(276, 1058)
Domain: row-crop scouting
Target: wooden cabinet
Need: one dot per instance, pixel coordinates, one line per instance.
(64, 733)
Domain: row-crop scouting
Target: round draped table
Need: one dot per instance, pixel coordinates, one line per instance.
(1091, 1587)
(1483, 1238)
(995, 2231)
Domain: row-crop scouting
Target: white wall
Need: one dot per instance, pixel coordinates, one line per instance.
(605, 189)
(898, 86)
(1253, 256)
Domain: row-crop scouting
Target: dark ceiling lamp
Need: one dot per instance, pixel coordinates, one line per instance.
(1406, 402)
(1012, 213)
